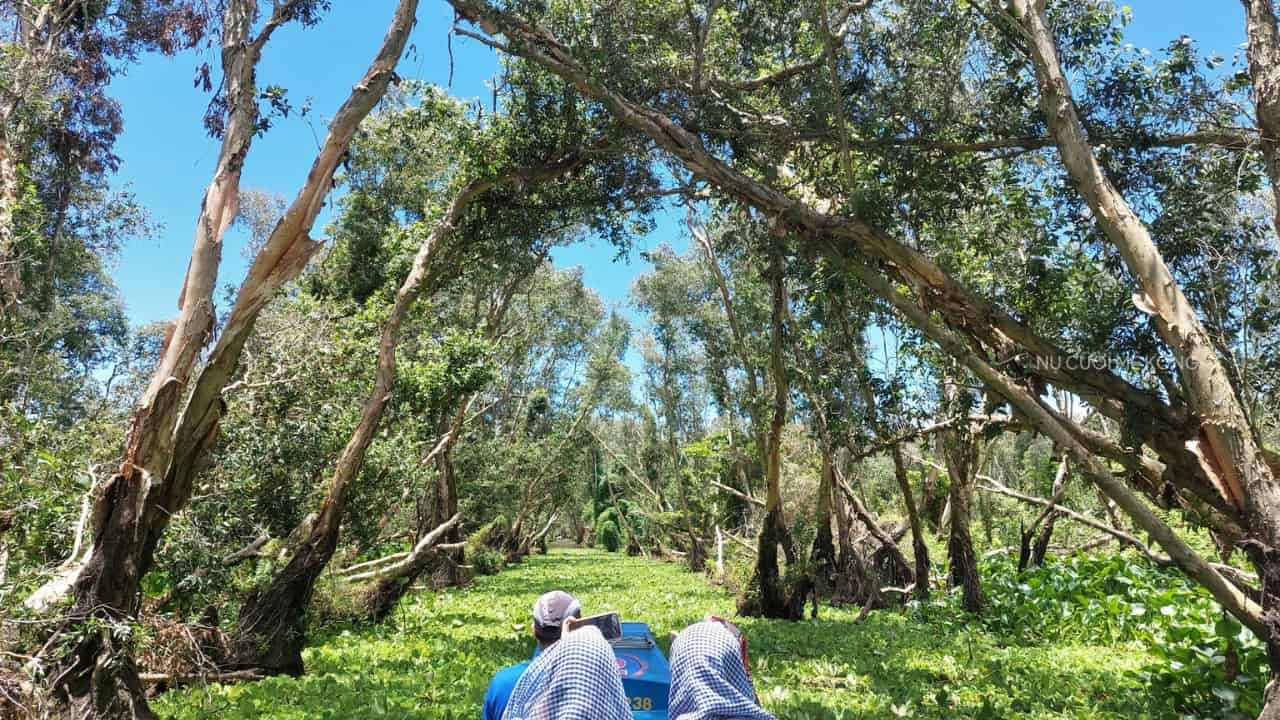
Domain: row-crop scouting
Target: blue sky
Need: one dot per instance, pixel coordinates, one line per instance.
(167, 157)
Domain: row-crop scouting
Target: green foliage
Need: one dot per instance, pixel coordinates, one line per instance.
(435, 657)
(455, 365)
(608, 530)
(487, 561)
(1113, 599)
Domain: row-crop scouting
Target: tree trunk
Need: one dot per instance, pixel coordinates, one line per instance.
(932, 502)
(10, 195)
(1227, 446)
(846, 575)
(272, 617)
(1049, 517)
(446, 506)
(1271, 707)
(823, 556)
(97, 676)
(888, 543)
(960, 448)
(1264, 67)
(391, 584)
(166, 447)
(919, 549)
(771, 600)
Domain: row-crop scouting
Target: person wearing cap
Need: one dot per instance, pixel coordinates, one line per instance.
(577, 679)
(549, 613)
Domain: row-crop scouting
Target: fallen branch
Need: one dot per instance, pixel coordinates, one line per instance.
(424, 545)
(201, 678)
(907, 436)
(247, 552)
(738, 493)
(393, 557)
(752, 548)
(1124, 537)
(886, 540)
(1242, 580)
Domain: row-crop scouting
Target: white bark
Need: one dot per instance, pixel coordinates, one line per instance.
(425, 545)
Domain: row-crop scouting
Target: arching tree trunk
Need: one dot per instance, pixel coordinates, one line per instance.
(167, 441)
(1227, 445)
(272, 625)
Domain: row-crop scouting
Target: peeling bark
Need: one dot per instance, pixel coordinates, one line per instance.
(393, 581)
(167, 441)
(133, 507)
(1227, 445)
(1264, 68)
(273, 617)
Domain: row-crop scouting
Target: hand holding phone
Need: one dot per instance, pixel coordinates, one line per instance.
(609, 625)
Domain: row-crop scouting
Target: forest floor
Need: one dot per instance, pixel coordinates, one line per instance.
(435, 657)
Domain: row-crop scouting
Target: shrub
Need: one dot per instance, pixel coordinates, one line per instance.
(487, 561)
(608, 536)
(490, 535)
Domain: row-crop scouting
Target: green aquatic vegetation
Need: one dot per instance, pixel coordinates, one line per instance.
(433, 658)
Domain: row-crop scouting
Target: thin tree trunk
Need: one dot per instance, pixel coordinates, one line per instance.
(1049, 517)
(960, 448)
(932, 502)
(446, 500)
(771, 600)
(10, 195)
(887, 542)
(919, 549)
(1264, 67)
(846, 575)
(823, 556)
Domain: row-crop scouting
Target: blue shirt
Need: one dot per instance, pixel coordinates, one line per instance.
(495, 700)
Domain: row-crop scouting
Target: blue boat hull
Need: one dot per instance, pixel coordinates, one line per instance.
(646, 676)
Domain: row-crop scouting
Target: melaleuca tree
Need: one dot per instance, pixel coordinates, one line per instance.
(525, 182)
(790, 109)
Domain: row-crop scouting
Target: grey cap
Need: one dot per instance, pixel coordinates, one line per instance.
(550, 611)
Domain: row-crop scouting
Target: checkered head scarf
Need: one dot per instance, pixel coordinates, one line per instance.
(708, 678)
(575, 679)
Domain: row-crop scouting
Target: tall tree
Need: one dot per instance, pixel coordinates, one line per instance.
(1011, 357)
(168, 439)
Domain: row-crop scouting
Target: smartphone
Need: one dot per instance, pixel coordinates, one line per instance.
(608, 624)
